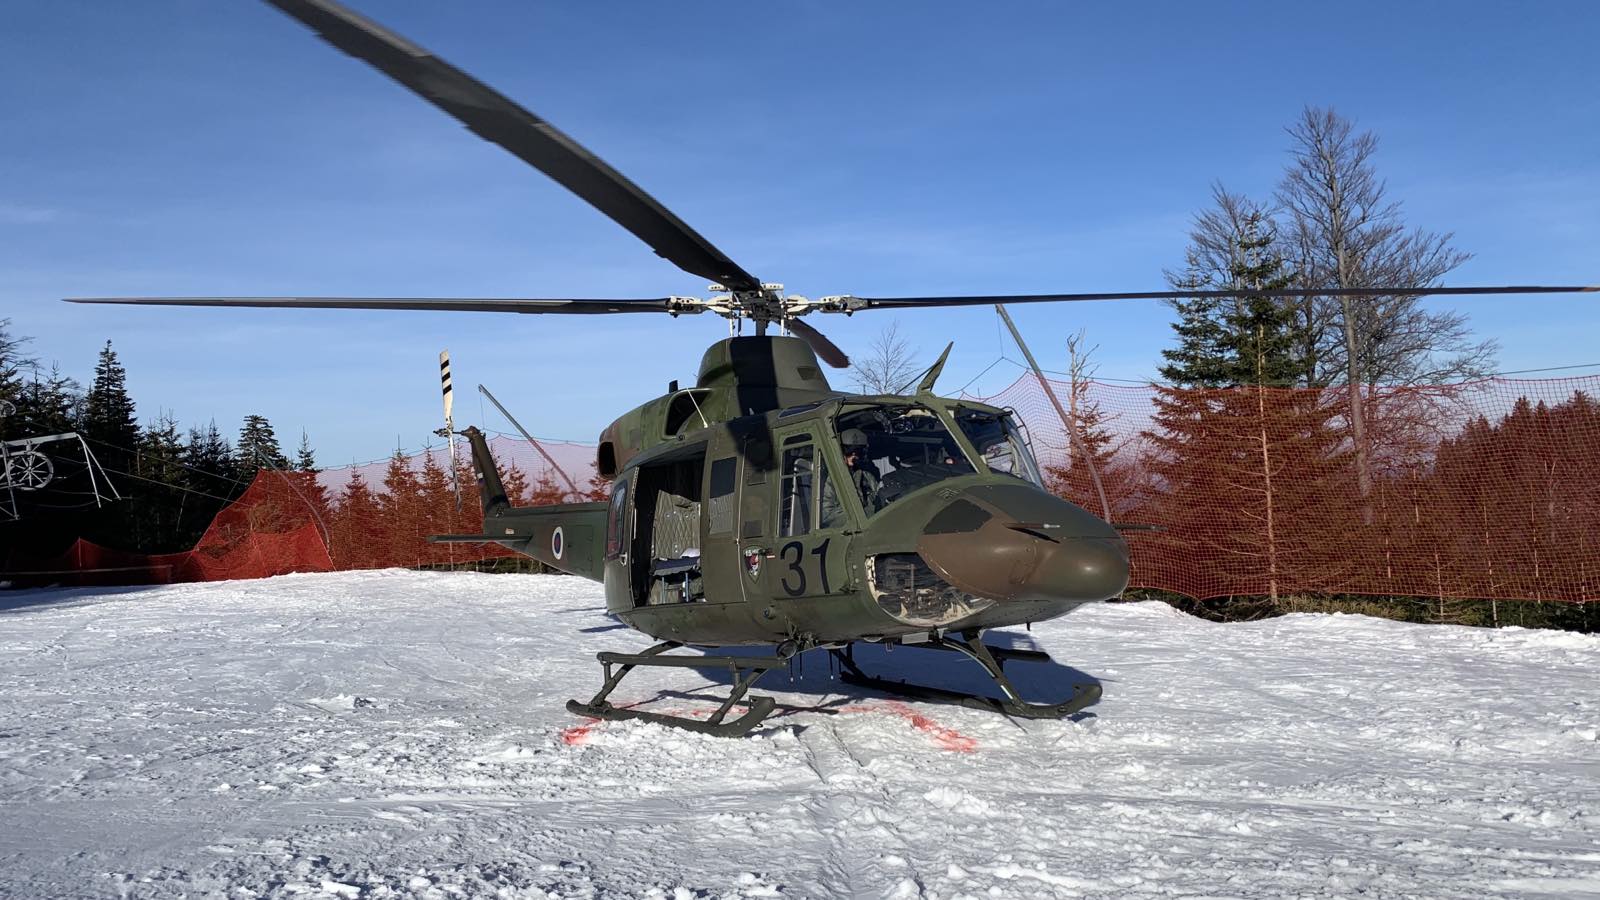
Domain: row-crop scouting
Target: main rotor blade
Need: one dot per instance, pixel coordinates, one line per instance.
(445, 304)
(825, 349)
(495, 118)
(908, 302)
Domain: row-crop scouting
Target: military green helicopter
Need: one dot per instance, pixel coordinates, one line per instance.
(762, 507)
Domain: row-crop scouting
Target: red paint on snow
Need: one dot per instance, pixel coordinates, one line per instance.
(578, 734)
(946, 738)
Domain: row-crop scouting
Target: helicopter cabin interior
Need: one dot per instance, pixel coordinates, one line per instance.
(666, 552)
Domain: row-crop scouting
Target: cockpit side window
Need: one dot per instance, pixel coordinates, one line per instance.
(999, 442)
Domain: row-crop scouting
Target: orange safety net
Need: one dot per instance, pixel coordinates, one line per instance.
(1489, 489)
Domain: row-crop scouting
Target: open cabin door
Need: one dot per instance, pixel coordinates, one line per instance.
(654, 531)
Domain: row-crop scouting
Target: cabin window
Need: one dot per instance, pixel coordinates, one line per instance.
(798, 475)
(809, 498)
(720, 496)
(615, 517)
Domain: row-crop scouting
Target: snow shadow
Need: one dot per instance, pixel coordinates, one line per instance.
(815, 673)
(21, 600)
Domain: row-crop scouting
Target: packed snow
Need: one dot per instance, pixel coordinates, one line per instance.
(385, 734)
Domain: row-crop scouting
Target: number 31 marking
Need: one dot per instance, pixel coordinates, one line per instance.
(796, 566)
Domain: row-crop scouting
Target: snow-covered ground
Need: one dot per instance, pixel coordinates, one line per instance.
(399, 733)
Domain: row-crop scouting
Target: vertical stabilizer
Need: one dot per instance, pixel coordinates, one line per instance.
(490, 490)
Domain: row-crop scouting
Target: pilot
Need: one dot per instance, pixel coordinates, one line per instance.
(862, 476)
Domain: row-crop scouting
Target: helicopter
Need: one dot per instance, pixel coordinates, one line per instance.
(761, 507)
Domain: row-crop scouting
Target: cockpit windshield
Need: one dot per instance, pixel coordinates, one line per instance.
(891, 451)
(1000, 442)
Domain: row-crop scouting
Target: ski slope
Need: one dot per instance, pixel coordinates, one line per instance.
(383, 734)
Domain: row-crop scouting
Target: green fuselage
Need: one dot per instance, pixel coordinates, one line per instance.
(739, 515)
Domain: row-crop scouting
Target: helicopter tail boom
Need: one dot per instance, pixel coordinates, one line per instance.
(564, 536)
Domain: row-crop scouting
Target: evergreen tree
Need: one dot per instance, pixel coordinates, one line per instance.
(402, 507)
(163, 483)
(1226, 435)
(108, 415)
(357, 542)
(46, 405)
(1090, 454)
(258, 447)
(1243, 340)
(515, 481)
(211, 468)
(12, 364)
(545, 491)
(113, 435)
(304, 459)
(209, 477)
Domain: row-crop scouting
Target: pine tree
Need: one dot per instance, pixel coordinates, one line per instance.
(1090, 454)
(402, 506)
(258, 447)
(1230, 429)
(304, 459)
(305, 497)
(546, 492)
(210, 462)
(47, 405)
(12, 364)
(515, 481)
(438, 506)
(209, 477)
(113, 435)
(161, 463)
(356, 539)
(108, 416)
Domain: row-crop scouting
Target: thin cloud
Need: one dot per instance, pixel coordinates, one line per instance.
(22, 214)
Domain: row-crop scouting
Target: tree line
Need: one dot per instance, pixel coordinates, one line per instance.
(172, 480)
(1280, 452)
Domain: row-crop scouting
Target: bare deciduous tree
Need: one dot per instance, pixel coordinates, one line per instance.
(1345, 232)
(890, 362)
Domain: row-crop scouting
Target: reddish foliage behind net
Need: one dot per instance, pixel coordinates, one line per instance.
(1482, 490)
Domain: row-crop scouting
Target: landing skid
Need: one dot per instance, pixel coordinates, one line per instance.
(745, 671)
(992, 659)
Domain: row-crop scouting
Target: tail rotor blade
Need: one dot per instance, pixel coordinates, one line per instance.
(449, 420)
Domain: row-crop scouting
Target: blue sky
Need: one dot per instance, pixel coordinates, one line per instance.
(189, 147)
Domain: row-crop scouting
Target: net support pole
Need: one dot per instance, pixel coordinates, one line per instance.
(1066, 420)
(536, 445)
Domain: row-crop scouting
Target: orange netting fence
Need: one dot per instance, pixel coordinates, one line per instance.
(1488, 489)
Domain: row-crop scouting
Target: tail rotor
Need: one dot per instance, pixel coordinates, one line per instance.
(448, 432)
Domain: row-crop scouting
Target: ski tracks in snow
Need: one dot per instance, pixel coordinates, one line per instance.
(389, 734)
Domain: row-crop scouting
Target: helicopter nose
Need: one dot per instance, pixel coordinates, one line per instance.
(1017, 543)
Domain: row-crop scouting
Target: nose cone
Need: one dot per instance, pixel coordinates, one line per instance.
(1016, 543)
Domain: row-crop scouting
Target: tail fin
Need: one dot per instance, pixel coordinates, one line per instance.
(490, 490)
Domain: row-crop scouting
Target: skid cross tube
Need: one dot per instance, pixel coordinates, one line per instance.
(744, 671)
(992, 659)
